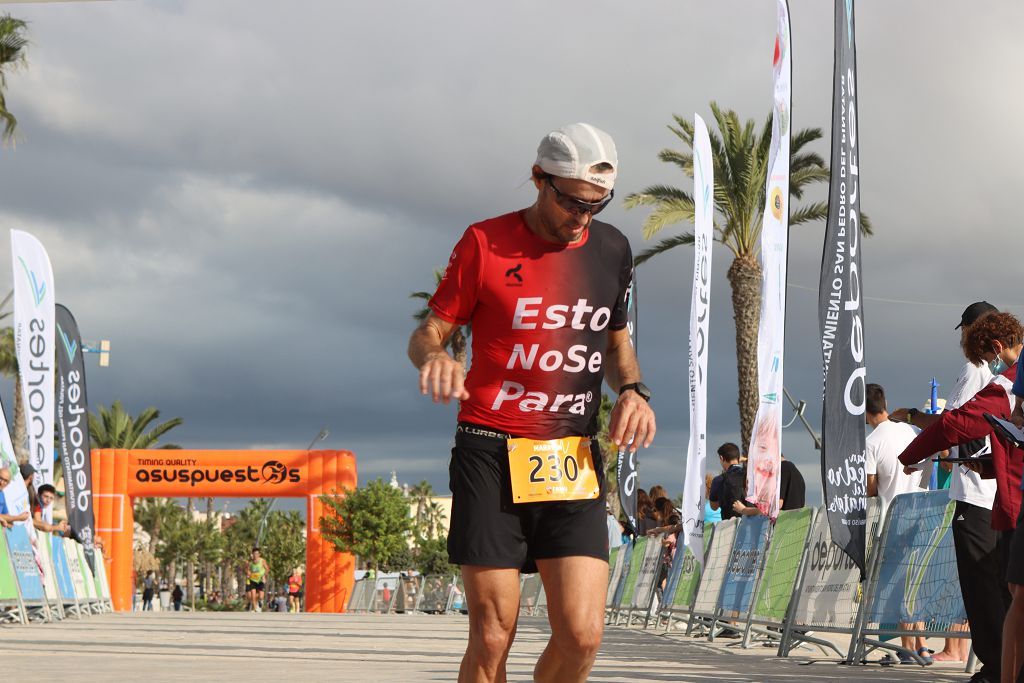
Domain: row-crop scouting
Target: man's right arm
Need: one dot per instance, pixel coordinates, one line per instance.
(441, 376)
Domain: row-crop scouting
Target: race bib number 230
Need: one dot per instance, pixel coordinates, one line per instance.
(557, 469)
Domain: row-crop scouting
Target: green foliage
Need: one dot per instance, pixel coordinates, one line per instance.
(283, 545)
(458, 340)
(431, 557)
(153, 515)
(240, 537)
(186, 540)
(372, 522)
(12, 54)
(115, 428)
(403, 560)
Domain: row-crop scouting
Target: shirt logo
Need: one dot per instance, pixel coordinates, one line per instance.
(514, 273)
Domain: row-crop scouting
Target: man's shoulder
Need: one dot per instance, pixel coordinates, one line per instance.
(498, 225)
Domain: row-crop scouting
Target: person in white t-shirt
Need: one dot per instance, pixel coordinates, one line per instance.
(986, 597)
(884, 444)
(886, 479)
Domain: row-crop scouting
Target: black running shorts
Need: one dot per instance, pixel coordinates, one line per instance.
(258, 586)
(489, 530)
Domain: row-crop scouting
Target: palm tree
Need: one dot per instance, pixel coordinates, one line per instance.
(458, 341)
(12, 54)
(153, 514)
(9, 368)
(115, 428)
(421, 493)
(740, 165)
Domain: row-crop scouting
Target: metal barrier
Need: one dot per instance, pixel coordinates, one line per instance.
(683, 580)
(408, 594)
(530, 589)
(913, 588)
(631, 575)
(616, 562)
(783, 564)
(742, 573)
(646, 576)
(705, 604)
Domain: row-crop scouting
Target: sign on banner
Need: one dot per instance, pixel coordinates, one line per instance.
(8, 580)
(73, 420)
(15, 493)
(60, 568)
(783, 563)
(626, 470)
(700, 309)
(830, 592)
(840, 310)
(917, 578)
(25, 566)
(744, 561)
(765, 457)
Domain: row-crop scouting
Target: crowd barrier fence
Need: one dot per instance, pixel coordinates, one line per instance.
(788, 583)
(44, 577)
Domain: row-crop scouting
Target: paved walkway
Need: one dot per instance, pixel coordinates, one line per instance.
(223, 647)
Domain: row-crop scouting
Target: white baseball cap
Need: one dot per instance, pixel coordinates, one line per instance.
(573, 151)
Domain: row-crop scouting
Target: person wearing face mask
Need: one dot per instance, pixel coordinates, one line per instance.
(994, 339)
(982, 581)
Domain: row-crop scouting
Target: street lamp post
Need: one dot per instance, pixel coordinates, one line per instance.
(263, 522)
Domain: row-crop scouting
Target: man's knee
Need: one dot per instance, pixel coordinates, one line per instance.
(580, 640)
(491, 636)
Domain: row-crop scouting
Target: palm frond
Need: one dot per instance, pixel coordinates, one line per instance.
(667, 212)
(664, 245)
(817, 211)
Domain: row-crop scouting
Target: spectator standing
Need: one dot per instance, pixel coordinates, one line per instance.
(148, 588)
(6, 518)
(176, 595)
(614, 529)
(295, 590)
(886, 478)
(792, 489)
(982, 583)
(734, 481)
(711, 512)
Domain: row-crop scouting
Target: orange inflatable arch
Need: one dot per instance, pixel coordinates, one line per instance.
(121, 476)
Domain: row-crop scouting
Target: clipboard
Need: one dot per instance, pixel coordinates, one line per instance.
(1006, 430)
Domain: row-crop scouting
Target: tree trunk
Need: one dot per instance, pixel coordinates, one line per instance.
(20, 429)
(745, 280)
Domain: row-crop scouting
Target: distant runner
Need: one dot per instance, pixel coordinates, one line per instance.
(256, 583)
(545, 290)
(295, 590)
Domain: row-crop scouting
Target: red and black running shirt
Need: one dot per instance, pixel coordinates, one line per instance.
(540, 314)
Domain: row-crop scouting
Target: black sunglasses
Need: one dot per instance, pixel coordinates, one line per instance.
(578, 207)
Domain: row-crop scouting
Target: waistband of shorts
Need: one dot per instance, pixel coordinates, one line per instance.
(471, 429)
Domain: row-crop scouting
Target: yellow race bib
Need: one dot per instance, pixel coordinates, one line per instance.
(557, 469)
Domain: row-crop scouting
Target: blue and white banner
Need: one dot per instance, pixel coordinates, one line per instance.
(34, 343)
(744, 560)
(765, 457)
(15, 494)
(700, 309)
(26, 563)
(917, 577)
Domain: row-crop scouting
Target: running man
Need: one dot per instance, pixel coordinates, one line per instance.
(546, 292)
(256, 582)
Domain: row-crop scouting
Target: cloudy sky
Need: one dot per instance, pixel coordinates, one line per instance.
(241, 194)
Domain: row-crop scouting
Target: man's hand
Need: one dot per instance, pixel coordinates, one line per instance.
(1017, 416)
(632, 422)
(443, 378)
(909, 469)
(738, 507)
(899, 415)
(22, 517)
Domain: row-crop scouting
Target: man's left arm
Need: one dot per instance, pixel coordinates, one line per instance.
(632, 419)
(958, 426)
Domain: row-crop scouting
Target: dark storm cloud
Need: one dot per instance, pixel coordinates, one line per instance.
(241, 195)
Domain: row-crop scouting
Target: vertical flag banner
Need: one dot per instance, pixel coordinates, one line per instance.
(841, 313)
(15, 494)
(33, 340)
(765, 457)
(626, 472)
(700, 308)
(73, 421)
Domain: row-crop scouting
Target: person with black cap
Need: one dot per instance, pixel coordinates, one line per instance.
(546, 290)
(980, 542)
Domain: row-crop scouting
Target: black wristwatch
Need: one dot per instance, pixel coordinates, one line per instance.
(639, 387)
(911, 414)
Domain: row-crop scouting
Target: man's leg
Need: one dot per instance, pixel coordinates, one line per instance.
(981, 566)
(575, 589)
(492, 599)
(1013, 636)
